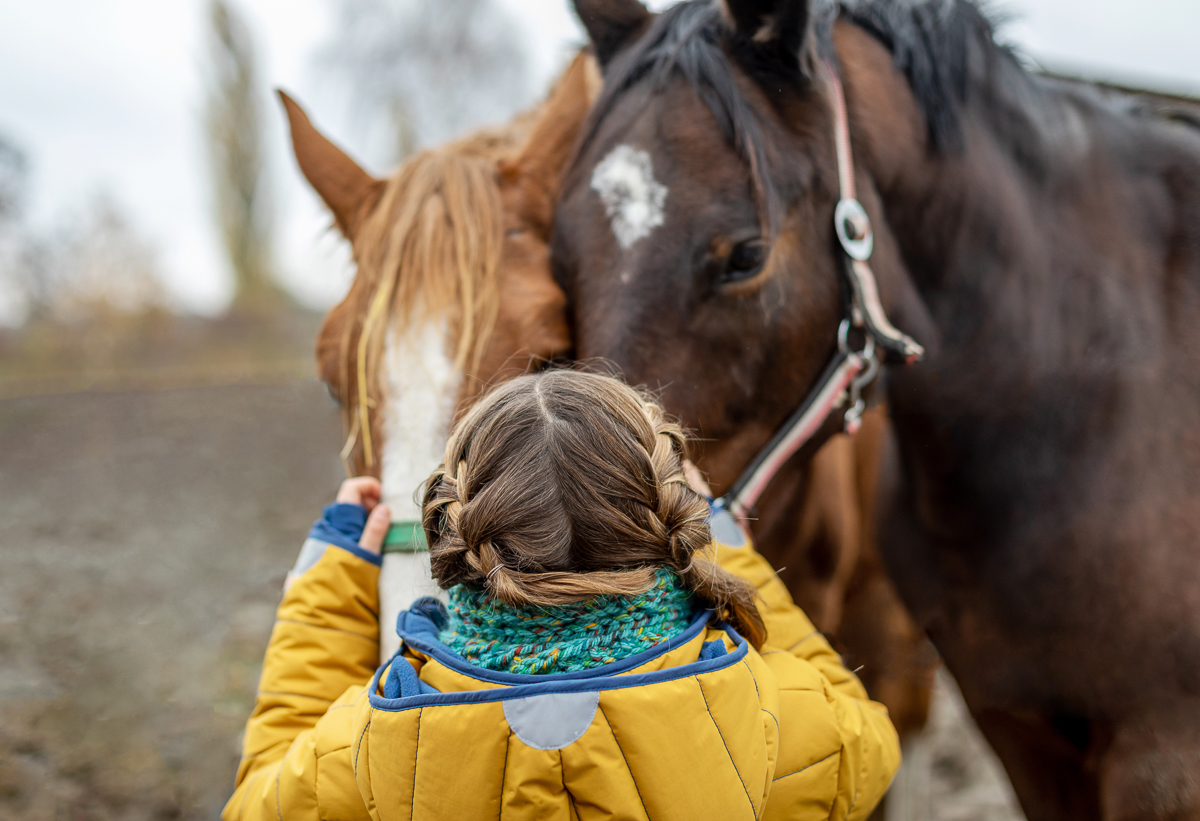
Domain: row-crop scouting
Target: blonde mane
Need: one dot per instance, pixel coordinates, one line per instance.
(430, 248)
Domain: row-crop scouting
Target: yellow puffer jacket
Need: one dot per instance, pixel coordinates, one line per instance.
(700, 727)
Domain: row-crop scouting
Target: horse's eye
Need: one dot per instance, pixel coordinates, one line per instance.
(745, 260)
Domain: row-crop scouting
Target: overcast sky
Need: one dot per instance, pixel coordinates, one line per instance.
(107, 96)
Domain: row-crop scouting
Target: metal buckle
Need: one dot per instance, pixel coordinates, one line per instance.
(868, 351)
(853, 416)
(853, 228)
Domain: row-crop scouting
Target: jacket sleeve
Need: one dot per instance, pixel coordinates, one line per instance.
(861, 751)
(323, 651)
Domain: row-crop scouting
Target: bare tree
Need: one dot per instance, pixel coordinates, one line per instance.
(94, 262)
(22, 290)
(428, 69)
(102, 264)
(233, 120)
(14, 173)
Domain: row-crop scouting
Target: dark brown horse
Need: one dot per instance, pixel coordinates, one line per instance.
(1042, 241)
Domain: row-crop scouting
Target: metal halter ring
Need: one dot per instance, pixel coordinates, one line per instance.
(853, 228)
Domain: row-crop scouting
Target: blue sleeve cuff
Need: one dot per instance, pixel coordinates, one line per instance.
(725, 528)
(342, 526)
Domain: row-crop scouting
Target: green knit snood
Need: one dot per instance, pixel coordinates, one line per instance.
(568, 638)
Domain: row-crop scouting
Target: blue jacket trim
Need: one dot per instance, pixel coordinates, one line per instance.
(724, 527)
(342, 526)
(405, 691)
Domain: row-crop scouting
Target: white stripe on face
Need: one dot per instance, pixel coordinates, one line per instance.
(632, 198)
(421, 390)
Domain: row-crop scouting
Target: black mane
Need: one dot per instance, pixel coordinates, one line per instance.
(685, 40)
(946, 50)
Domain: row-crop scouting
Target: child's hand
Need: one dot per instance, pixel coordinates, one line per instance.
(366, 491)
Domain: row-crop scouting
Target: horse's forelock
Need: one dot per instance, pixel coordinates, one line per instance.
(687, 41)
(431, 250)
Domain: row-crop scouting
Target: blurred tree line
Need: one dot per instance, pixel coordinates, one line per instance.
(88, 291)
(93, 261)
(233, 120)
(417, 73)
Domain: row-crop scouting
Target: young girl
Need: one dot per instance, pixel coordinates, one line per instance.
(599, 657)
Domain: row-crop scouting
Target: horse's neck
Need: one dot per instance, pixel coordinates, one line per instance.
(1040, 261)
(1046, 232)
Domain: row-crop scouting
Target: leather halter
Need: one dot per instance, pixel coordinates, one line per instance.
(840, 386)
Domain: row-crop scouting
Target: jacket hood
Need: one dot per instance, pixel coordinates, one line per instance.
(685, 729)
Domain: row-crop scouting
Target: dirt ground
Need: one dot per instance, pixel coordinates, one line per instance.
(144, 538)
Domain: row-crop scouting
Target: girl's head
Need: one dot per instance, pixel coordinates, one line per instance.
(561, 486)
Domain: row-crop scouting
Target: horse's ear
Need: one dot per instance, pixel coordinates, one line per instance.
(349, 191)
(610, 24)
(776, 29)
(548, 148)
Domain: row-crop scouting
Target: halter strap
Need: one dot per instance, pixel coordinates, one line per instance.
(405, 536)
(841, 133)
(841, 384)
(857, 240)
(829, 393)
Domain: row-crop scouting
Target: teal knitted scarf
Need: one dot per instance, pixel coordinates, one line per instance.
(568, 638)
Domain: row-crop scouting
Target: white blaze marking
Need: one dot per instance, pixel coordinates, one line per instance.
(632, 198)
(421, 389)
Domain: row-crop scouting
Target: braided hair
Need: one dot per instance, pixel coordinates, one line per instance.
(561, 486)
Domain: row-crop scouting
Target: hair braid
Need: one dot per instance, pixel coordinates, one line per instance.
(683, 521)
(445, 500)
(567, 486)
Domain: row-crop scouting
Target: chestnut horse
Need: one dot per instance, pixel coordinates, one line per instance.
(1041, 518)
(451, 293)
(509, 177)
